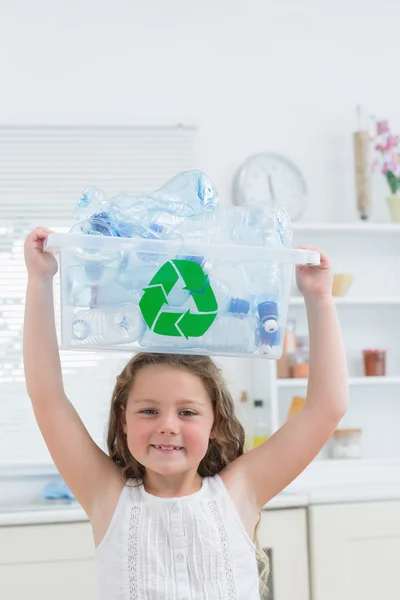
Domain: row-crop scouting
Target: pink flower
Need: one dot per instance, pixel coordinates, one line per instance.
(382, 127)
(388, 166)
(391, 142)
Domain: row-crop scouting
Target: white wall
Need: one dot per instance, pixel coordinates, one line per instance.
(252, 75)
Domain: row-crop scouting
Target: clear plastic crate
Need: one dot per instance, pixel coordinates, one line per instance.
(176, 297)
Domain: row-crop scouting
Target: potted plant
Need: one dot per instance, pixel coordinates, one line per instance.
(388, 146)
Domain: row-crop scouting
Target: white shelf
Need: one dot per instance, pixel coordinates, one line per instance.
(382, 239)
(298, 382)
(356, 462)
(358, 228)
(355, 300)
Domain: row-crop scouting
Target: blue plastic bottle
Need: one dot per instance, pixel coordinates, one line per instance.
(265, 285)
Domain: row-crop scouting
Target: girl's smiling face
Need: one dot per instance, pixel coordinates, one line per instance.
(168, 419)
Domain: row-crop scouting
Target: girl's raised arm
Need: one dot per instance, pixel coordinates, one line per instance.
(86, 469)
(269, 468)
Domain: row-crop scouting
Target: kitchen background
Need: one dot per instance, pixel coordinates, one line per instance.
(240, 78)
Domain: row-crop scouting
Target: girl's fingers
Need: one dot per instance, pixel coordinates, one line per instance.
(43, 230)
(40, 233)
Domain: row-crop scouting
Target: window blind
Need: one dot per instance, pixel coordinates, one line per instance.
(43, 171)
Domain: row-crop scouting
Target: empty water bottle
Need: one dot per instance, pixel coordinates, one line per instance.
(92, 201)
(108, 295)
(120, 324)
(229, 334)
(226, 302)
(192, 187)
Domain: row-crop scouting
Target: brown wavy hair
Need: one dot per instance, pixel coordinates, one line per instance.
(225, 447)
(229, 435)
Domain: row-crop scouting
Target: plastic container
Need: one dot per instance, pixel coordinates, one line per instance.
(204, 324)
(346, 443)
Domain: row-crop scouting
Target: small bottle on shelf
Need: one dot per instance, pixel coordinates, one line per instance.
(261, 431)
(300, 358)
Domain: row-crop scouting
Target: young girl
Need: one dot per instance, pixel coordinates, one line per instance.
(175, 504)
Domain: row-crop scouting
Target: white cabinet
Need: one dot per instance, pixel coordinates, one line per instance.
(355, 550)
(44, 562)
(284, 534)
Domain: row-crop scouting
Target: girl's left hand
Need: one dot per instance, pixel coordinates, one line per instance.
(315, 281)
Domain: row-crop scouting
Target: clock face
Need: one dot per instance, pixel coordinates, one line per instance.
(273, 179)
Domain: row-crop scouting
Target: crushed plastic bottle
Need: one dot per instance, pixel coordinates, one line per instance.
(148, 216)
(114, 325)
(256, 225)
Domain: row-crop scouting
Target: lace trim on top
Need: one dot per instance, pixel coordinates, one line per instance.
(133, 552)
(224, 541)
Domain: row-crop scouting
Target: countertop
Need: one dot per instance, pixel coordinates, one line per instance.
(51, 511)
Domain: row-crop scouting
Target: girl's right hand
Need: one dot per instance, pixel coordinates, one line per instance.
(39, 264)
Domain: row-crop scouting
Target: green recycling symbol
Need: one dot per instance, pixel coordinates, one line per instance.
(186, 324)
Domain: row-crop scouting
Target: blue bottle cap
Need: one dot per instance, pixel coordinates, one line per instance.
(156, 227)
(205, 265)
(267, 310)
(239, 306)
(196, 259)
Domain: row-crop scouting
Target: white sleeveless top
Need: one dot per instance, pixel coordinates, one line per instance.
(189, 548)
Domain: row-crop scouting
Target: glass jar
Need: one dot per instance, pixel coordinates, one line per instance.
(284, 368)
(346, 443)
(374, 363)
(300, 358)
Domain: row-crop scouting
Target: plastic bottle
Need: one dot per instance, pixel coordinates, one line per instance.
(264, 285)
(148, 216)
(204, 227)
(120, 324)
(178, 296)
(194, 187)
(137, 276)
(261, 427)
(228, 304)
(92, 201)
(92, 273)
(134, 276)
(93, 296)
(257, 225)
(230, 334)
